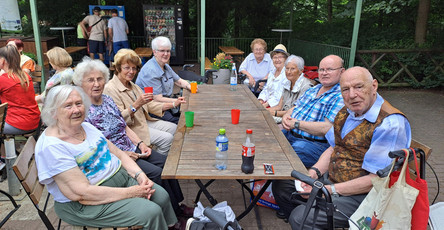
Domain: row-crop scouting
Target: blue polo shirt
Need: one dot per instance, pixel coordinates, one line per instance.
(162, 80)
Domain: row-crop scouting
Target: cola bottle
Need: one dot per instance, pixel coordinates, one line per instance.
(248, 150)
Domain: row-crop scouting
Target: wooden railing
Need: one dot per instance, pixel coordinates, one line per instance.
(404, 67)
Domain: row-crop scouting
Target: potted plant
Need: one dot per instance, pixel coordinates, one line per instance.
(223, 64)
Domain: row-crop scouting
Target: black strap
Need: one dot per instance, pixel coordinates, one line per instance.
(97, 22)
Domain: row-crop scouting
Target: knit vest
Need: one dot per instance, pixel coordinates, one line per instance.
(346, 160)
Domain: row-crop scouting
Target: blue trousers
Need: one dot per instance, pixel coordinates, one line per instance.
(119, 45)
(308, 151)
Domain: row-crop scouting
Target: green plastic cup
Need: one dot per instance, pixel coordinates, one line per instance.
(189, 118)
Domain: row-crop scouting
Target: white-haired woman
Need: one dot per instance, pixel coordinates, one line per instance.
(92, 181)
(294, 87)
(158, 74)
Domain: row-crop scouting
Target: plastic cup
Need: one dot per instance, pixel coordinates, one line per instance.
(193, 87)
(148, 89)
(189, 118)
(235, 114)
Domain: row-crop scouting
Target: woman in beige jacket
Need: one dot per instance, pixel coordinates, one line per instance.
(135, 105)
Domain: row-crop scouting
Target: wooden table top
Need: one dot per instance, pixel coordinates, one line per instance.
(144, 52)
(231, 50)
(192, 154)
(73, 49)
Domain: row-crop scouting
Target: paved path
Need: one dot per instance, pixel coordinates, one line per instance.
(424, 109)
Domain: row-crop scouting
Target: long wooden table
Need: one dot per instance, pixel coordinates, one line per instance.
(231, 50)
(192, 154)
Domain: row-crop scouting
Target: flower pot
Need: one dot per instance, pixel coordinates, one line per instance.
(222, 76)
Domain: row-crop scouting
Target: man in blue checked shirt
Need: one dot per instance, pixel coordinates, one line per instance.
(313, 114)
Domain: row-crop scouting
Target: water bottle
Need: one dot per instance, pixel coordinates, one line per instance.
(248, 150)
(233, 78)
(221, 150)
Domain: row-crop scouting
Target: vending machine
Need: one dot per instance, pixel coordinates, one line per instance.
(165, 20)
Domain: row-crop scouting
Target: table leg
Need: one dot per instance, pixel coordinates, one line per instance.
(254, 201)
(203, 188)
(63, 38)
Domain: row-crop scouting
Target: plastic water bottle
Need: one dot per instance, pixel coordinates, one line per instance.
(233, 78)
(221, 150)
(248, 150)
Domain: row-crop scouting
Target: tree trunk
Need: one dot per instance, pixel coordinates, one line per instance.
(421, 21)
(315, 8)
(329, 10)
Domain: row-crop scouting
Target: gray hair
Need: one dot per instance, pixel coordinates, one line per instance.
(296, 60)
(55, 99)
(160, 41)
(87, 66)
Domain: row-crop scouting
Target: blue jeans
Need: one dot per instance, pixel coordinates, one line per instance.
(119, 45)
(308, 151)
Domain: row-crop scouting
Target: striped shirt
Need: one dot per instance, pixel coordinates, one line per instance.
(312, 108)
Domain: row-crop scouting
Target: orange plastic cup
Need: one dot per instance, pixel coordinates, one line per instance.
(193, 87)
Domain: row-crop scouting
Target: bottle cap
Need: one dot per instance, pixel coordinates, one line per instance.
(249, 131)
(222, 131)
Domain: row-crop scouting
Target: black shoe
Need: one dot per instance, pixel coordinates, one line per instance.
(280, 214)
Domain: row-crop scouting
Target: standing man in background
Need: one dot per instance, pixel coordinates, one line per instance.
(97, 34)
(118, 32)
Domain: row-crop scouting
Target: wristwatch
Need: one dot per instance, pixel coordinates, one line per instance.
(333, 191)
(133, 109)
(296, 125)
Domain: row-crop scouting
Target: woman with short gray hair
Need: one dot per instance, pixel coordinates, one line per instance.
(294, 87)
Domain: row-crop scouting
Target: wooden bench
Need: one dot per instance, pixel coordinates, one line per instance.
(207, 64)
(74, 49)
(231, 50)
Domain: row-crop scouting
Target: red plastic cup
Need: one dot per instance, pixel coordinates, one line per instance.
(235, 114)
(148, 89)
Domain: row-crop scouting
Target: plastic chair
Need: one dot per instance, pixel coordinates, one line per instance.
(436, 222)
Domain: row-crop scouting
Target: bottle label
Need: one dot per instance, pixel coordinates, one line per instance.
(248, 151)
(221, 146)
(233, 81)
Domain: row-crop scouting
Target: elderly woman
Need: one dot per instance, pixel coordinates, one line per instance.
(61, 62)
(92, 181)
(257, 64)
(293, 87)
(158, 74)
(106, 117)
(271, 94)
(17, 90)
(136, 106)
(26, 63)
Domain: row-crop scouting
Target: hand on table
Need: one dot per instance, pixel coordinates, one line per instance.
(179, 101)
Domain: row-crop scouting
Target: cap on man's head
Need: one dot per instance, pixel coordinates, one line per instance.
(96, 8)
(114, 11)
(279, 49)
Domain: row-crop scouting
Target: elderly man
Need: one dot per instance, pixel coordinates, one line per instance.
(158, 74)
(363, 133)
(313, 114)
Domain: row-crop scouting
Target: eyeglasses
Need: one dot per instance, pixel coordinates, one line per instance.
(328, 70)
(258, 50)
(164, 51)
(92, 80)
(127, 68)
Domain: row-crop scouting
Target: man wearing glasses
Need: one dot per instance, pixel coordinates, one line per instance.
(158, 74)
(313, 114)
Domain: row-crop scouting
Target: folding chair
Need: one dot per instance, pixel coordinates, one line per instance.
(321, 195)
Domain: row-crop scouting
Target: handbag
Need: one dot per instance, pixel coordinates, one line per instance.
(420, 211)
(387, 207)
